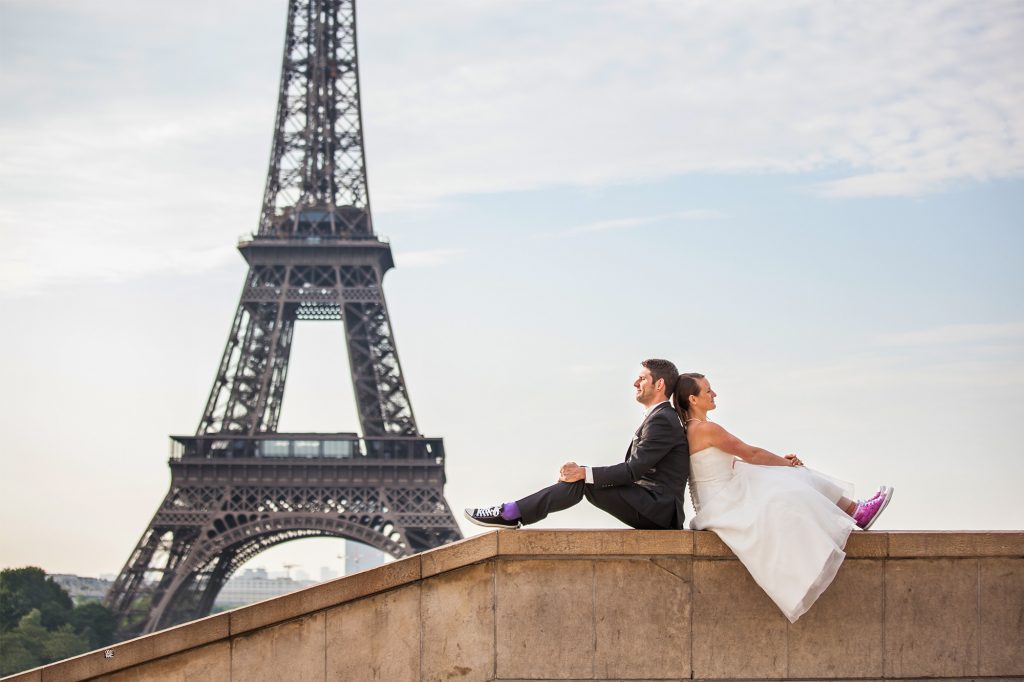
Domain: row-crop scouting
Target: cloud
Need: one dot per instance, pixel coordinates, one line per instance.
(957, 334)
(29, 270)
(887, 98)
(628, 223)
(105, 141)
(430, 258)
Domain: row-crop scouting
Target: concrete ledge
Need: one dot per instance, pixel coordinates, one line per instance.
(594, 542)
(953, 544)
(582, 604)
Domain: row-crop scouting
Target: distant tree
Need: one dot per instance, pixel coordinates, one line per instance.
(24, 646)
(63, 643)
(14, 654)
(24, 589)
(30, 644)
(38, 624)
(95, 622)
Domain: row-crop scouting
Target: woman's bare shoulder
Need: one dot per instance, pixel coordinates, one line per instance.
(700, 435)
(702, 427)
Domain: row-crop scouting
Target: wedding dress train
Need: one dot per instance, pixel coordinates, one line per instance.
(782, 523)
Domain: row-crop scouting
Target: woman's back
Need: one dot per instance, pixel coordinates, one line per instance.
(710, 470)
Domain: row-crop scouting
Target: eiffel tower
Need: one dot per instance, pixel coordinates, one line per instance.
(238, 486)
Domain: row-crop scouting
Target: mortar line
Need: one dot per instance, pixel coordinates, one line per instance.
(593, 618)
(494, 619)
(977, 623)
(421, 620)
(693, 597)
(885, 602)
(653, 562)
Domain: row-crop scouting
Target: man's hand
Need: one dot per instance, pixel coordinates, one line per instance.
(571, 472)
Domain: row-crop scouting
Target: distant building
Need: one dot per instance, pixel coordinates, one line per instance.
(251, 585)
(255, 584)
(359, 557)
(83, 589)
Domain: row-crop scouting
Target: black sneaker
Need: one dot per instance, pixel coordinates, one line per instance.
(490, 517)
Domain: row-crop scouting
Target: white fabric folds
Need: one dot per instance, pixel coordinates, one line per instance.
(782, 523)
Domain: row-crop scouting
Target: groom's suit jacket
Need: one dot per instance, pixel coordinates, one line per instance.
(658, 460)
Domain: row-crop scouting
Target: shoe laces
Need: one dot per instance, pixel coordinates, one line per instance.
(868, 508)
(488, 511)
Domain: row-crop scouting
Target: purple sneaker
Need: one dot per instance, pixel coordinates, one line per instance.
(882, 490)
(490, 517)
(868, 512)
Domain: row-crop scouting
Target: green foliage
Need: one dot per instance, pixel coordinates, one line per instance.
(63, 643)
(95, 622)
(39, 625)
(24, 589)
(15, 656)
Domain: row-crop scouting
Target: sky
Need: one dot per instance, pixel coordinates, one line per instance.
(817, 205)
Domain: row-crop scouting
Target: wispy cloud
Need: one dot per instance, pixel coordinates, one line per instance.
(957, 334)
(430, 258)
(699, 214)
(103, 139)
(888, 98)
(27, 271)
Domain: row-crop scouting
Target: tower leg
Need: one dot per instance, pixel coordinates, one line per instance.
(381, 395)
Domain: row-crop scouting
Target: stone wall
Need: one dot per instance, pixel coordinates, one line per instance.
(651, 605)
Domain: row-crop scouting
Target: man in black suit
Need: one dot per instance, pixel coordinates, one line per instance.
(644, 491)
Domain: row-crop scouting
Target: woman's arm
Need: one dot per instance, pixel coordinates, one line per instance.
(715, 435)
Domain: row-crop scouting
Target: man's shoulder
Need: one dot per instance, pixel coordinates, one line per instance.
(665, 414)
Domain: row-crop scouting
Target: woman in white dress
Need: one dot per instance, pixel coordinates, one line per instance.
(786, 523)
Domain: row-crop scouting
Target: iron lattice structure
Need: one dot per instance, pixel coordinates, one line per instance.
(239, 486)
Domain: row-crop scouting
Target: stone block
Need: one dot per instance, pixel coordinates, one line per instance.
(457, 625)
(906, 544)
(860, 545)
(33, 675)
(132, 674)
(292, 651)
(376, 638)
(459, 554)
(867, 545)
(841, 635)
(1001, 627)
(931, 617)
(210, 663)
(707, 544)
(325, 595)
(738, 632)
(139, 650)
(544, 614)
(594, 542)
(642, 618)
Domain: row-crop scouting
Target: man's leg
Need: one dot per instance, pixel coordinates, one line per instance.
(621, 501)
(554, 498)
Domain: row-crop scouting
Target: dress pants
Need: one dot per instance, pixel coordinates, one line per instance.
(621, 501)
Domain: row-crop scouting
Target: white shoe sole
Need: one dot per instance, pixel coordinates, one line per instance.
(486, 524)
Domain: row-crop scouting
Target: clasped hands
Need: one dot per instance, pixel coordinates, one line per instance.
(571, 472)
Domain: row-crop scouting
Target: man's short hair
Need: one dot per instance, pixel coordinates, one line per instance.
(662, 369)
